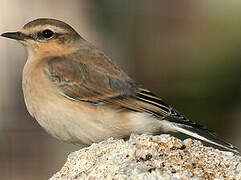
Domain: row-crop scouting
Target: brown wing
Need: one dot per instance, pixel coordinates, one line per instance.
(88, 81)
(97, 79)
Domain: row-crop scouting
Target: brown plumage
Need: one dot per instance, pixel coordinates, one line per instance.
(80, 96)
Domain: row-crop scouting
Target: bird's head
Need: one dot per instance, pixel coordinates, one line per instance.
(45, 35)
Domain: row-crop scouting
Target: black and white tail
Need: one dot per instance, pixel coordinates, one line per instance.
(205, 135)
(180, 123)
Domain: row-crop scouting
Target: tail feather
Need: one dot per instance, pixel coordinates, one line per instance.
(205, 135)
(180, 122)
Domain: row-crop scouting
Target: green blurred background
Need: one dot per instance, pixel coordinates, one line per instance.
(188, 52)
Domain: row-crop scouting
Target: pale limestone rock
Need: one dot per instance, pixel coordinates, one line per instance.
(150, 157)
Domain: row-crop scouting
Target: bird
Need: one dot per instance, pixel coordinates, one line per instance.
(80, 96)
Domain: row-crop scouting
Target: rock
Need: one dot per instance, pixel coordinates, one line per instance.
(150, 157)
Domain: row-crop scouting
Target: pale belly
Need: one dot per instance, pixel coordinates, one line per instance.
(75, 122)
(65, 119)
(80, 122)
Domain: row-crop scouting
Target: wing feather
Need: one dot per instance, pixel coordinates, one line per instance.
(94, 82)
(99, 80)
(87, 82)
(94, 79)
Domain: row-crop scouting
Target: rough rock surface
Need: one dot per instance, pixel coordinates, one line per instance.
(150, 157)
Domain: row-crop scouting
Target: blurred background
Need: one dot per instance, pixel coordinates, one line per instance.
(188, 52)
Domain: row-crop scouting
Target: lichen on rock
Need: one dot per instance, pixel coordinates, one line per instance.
(150, 157)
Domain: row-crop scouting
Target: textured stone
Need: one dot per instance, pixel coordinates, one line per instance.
(150, 157)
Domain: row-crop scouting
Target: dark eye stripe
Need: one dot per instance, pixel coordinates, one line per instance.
(43, 35)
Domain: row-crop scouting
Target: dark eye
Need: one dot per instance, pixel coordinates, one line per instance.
(47, 33)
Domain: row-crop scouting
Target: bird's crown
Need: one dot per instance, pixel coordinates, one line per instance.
(44, 29)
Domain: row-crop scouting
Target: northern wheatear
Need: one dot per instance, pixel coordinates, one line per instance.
(78, 95)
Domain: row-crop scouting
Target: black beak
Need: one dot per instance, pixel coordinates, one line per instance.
(14, 35)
